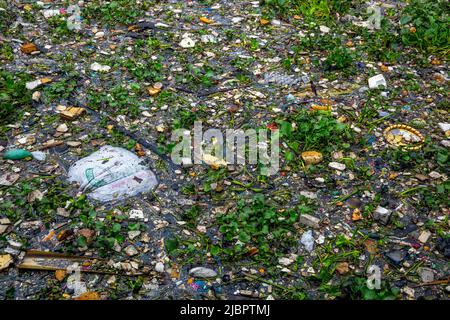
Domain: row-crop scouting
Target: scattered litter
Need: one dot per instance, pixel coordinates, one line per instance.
(88, 296)
(52, 261)
(201, 272)
(199, 286)
(284, 80)
(159, 267)
(424, 236)
(308, 240)
(324, 29)
(382, 214)
(377, 81)
(62, 128)
(8, 179)
(337, 166)
(98, 67)
(206, 20)
(71, 113)
(19, 154)
(187, 43)
(342, 268)
(208, 38)
(136, 214)
(112, 173)
(426, 275)
(308, 194)
(404, 136)
(275, 22)
(131, 251)
(36, 83)
(51, 13)
(320, 108)
(356, 215)
(445, 127)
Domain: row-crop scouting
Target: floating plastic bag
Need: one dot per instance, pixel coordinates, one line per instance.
(112, 173)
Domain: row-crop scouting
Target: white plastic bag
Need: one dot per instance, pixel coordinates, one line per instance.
(112, 173)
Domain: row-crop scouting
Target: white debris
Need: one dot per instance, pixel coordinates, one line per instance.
(275, 22)
(208, 38)
(308, 194)
(8, 179)
(51, 13)
(62, 128)
(285, 261)
(159, 267)
(324, 29)
(15, 244)
(161, 25)
(424, 236)
(320, 239)
(427, 275)
(36, 96)
(99, 34)
(377, 81)
(133, 234)
(444, 126)
(446, 143)
(201, 272)
(98, 67)
(33, 84)
(435, 175)
(112, 173)
(136, 214)
(307, 240)
(187, 43)
(337, 166)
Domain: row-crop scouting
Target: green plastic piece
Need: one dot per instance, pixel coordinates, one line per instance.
(17, 154)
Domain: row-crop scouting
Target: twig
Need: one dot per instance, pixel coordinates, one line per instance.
(433, 283)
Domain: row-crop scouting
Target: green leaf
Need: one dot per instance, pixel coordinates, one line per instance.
(244, 237)
(289, 156)
(171, 244)
(82, 242)
(405, 19)
(116, 227)
(215, 250)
